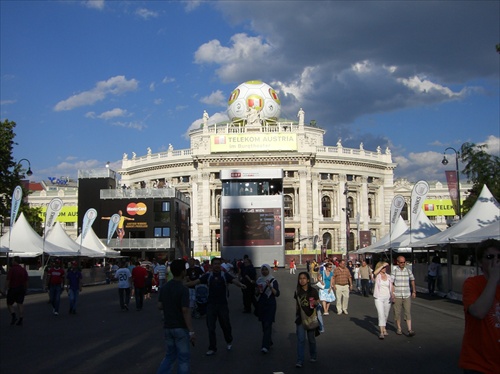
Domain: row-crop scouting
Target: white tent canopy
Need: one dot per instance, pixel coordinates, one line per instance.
(25, 242)
(399, 229)
(485, 211)
(58, 236)
(492, 231)
(419, 230)
(93, 242)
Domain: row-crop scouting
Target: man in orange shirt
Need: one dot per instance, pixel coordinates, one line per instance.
(481, 299)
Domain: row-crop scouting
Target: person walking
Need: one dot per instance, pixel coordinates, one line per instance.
(55, 284)
(248, 276)
(74, 278)
(173, 300)
(382, 292)
(401, 278)
(481, 299)
(217, 307)
(139, 275)
(306, 301)
(342, 285)
(293, 266)
(366, 275)
(16, 286)
(433, 273)
(124, 277)
(267, 291)
(327, 294)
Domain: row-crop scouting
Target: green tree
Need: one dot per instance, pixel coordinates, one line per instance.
(481, 168)
(11, 173)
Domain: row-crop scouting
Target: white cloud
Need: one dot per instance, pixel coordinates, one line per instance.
(152, 86)
(191, 5)
(216, 98)
(245, 57)
(426, 86)
(7, 102)
(137, 125)
(158, 101)
(146, 13)
(167, 80)
(113, 113)
(113, 86)
(94, 4)
(215, 118)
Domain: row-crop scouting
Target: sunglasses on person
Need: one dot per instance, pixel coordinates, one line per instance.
(491, 256)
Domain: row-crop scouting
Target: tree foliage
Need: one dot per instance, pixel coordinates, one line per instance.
(11, 174)
(481, 168)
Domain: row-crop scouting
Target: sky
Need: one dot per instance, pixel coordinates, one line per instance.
(87, 81)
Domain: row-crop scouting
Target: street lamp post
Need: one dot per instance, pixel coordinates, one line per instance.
(445, 162)
(29, 173)
(347, 213)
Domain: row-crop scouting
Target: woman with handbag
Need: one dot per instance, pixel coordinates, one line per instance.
(307, 299)
(267, 291)
(382, 292)
(326, 294)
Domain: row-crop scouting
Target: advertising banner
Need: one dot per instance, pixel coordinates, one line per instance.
(252, 227)
(397, 205)
(88, 220)
(249, 142)
(418, 195)
(442, 207)
(451, 179)
(17, 195)
(113, 224)
(51, 214)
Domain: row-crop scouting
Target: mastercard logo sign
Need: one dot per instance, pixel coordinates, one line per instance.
(136, 209)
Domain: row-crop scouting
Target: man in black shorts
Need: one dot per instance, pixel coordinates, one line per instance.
(16, 286)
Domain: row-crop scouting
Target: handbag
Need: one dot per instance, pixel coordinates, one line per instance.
(320, 285)
(309, 322)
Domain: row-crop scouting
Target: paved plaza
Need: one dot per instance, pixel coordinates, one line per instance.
(103, 339)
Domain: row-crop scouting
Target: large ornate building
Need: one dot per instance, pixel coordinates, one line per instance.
(323, 185)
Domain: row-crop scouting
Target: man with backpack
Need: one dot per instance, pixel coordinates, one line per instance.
(217, 306)
(401, 277)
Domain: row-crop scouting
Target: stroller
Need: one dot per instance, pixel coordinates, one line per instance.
(201, 300)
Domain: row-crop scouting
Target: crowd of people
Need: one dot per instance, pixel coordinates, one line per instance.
(181, 283)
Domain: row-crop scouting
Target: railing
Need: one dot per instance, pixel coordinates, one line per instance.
(154, 243)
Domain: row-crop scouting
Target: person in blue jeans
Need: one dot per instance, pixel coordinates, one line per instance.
(74, 277)
(55, 284)
(307, 299)
(173, 300)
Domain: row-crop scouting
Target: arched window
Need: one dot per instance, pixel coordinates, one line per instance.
(326, 206)
(288, 206)
(327, 240)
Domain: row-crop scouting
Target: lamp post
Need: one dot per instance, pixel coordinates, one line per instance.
(29, 173)
(445, 162)
(347, 225)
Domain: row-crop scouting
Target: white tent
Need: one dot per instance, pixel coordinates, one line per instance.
(485, 211)
(93, 242)
(492, 231)
(25, 242)
(58, 236)
(399, 229)
(419, 230)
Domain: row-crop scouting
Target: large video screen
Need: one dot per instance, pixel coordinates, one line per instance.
(251, 227)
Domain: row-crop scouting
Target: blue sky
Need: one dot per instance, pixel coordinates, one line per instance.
(87, 81)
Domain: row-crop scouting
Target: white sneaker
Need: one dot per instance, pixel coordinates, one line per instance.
(264, 350)
(229, 346)
(210, 353)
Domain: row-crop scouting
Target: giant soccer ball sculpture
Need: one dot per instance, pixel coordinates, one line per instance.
(256, 97)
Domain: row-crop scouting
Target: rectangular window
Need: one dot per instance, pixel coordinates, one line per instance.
(162, 232)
